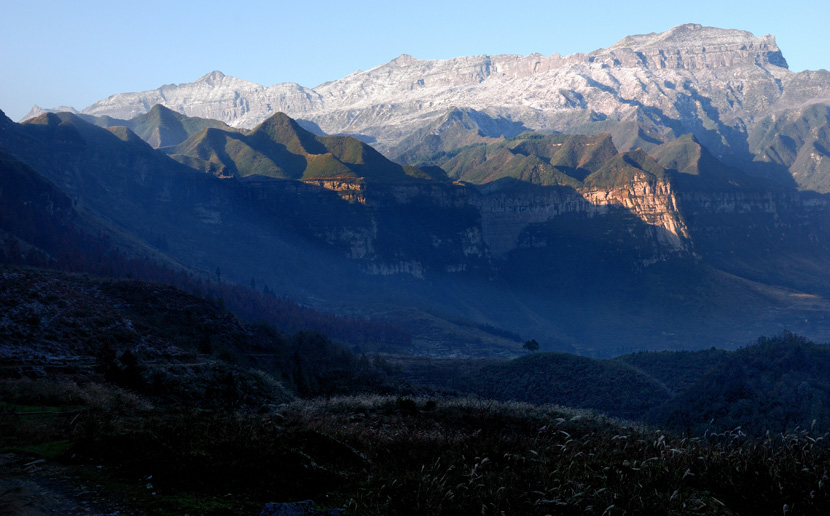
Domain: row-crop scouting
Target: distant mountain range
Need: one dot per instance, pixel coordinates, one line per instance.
(728, 88)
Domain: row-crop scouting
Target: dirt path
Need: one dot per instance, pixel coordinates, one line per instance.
(37, 487)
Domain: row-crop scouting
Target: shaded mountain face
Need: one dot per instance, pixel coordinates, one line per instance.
(794, 143)
(297, 238)
(608, 252)
(458, 128)
(34, 215)
(646, 89)
(688, 199)
(534, 158)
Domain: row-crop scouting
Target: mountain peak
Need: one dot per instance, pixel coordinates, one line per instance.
(163, 112)
(212, 77)
(688, 34)
(160, 108)
(164, 115)
(48, 118)
(282, 129)
(696, 46)
(403, 60)
(37, 111)
(279, 119)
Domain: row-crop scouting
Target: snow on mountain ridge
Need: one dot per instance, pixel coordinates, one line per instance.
(700, 78)
(697, 40)
(692, 34)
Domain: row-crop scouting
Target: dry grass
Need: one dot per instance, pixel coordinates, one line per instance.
(467, 456)
(382, 455)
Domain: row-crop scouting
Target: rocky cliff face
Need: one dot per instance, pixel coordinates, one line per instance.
(693, 47)
(507, 212)
(458, 227)
(422, 228)
(654, 203)
(419, 229)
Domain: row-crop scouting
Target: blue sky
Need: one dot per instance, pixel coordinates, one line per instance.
(76, 52)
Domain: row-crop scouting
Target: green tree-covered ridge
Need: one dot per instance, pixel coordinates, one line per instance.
(280, 148)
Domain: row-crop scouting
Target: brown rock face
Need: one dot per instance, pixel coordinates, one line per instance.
(506, 214)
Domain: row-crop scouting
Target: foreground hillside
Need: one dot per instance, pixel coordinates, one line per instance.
(120, 395)
(776, 385)
(162, 342)
(382, 455)
(173, 347)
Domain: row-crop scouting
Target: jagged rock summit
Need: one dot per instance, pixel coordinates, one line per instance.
(36, 111)
(714, 83)
(695, 46)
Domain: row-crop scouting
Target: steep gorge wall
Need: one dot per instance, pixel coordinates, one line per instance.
(476, 223)
(422, 228)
